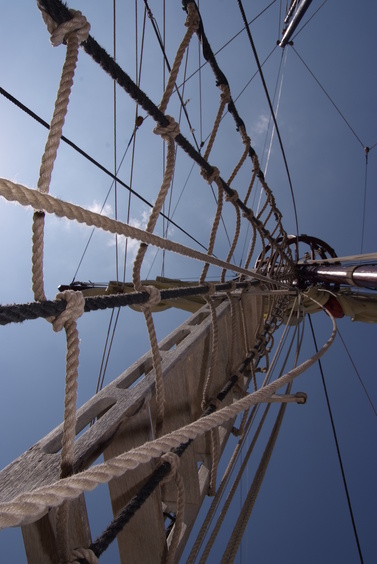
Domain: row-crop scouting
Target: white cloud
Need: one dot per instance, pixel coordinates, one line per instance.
(133, 244)
(96, 207)
(261, 125)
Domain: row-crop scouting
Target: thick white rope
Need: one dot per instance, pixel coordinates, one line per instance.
(28, 507)
(67, 319)
(73, 32)
(224, 99)
(26, 197)
(169, 134)
(78, 554)
(192, 24)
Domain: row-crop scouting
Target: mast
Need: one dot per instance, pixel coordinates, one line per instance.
(299, 14)
(361, 276)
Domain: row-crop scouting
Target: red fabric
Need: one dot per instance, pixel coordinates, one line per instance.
(334, 307)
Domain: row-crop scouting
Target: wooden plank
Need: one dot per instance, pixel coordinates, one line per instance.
(148, 520)
(40, 538)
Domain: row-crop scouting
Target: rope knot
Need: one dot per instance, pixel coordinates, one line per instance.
(171, 130)
(233, 285)
(211, 288)
(74, 309)
(154, 298)
(248, 215)
(210, 177)
(59, 33)
(232, 198)
(174, 461)
(79, 554)
(225, 93)
(245, 138)
(193, 19)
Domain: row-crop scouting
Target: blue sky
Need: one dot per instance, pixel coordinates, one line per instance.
(301, 514)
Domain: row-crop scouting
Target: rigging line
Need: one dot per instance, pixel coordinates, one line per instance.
(115, 143)
(230, 41)
(104, 203)
(244, 515)
(98, 386)
(258, 476)
(231, 467)
(337, 444)
(239, 2)
(278, 78)
(358, 374)
(309, 20)
(102, 379)
(283, 58)
(108, 344)
(138, 68)
(244, 88)
(365, 200)
(328, 96)
(27, 110)
(366, 257)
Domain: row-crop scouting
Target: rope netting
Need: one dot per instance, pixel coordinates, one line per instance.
(273, 274)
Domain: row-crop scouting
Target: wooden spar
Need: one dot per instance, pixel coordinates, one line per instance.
(122, 421)
(287, 33)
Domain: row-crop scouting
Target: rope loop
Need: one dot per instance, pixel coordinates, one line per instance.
(210, 177)
(174, 461)
(79, 554)
(78, 24)
(169, 131)
(74, 310)
(154, 298)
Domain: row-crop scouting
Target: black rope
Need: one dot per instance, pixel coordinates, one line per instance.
(108, 536)
(17, 313)
(337, 448)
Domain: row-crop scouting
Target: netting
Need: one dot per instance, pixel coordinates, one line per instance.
(182, 402)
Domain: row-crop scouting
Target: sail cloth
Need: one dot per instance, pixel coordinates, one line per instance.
(357, 305)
